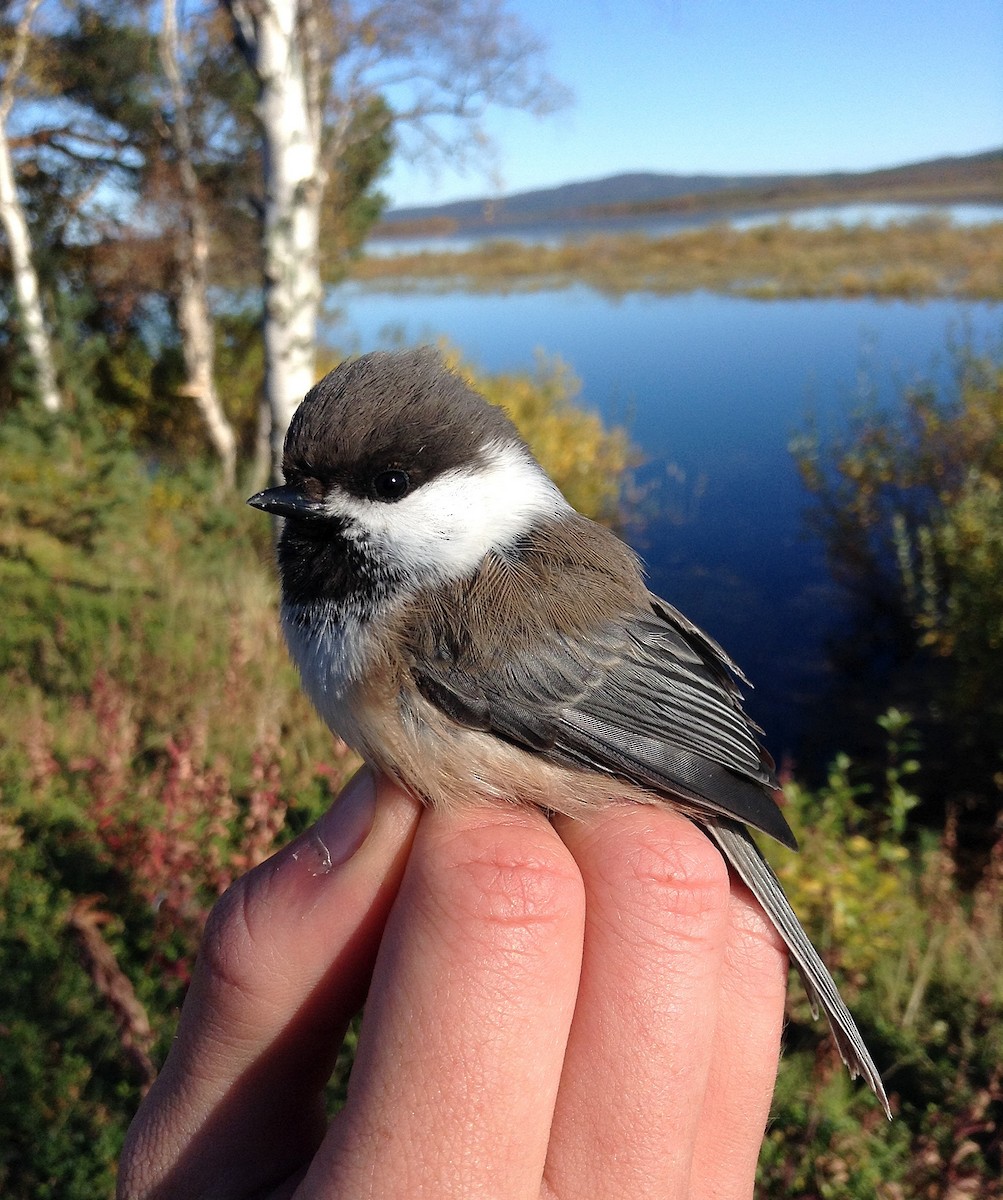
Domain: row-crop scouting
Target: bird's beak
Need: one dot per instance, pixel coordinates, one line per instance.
(286, 501)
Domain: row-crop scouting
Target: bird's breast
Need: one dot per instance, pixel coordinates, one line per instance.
(333, 649)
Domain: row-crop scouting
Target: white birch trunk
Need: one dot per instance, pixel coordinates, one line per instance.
(294, 186)
(194, 320)
(26, 290)
(199, 351)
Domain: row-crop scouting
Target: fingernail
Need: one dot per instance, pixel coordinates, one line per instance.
(347, 823)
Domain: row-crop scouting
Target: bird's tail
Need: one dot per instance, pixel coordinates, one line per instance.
(741, 851)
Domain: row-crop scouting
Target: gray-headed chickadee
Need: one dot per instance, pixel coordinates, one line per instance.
(457, 623)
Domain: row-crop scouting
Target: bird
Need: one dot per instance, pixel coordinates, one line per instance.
(464, 629)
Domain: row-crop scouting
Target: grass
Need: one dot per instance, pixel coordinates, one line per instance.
(922, 258)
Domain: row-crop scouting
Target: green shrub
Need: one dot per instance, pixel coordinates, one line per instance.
(920, 961)
(910, 506)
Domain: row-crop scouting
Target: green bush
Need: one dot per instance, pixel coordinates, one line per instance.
(153, 744)
(920, 961)
(63, 1080)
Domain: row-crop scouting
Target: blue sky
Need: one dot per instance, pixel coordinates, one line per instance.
(741, 86)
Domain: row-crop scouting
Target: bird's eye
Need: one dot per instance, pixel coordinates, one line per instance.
(391, 485)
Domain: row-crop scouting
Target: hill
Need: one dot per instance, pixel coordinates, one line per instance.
(971, 178)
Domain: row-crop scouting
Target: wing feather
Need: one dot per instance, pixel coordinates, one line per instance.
(636, 690)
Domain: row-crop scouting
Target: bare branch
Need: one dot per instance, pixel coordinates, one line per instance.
(114, 987)
(62, 136)
(433, 60)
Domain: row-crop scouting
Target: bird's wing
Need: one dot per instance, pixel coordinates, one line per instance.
(646, 697)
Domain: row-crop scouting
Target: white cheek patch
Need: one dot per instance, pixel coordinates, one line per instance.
(444, 528)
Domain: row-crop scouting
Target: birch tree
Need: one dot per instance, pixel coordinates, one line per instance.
(194, 317)
(333, 74)
(26, 289)
(278, 39)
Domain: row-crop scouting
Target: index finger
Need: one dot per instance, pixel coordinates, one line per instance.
(463, 1038)
(284, 965)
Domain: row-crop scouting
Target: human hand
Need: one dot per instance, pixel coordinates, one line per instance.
(583, 1009)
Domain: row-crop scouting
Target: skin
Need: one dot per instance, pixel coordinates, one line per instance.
(581, 1008)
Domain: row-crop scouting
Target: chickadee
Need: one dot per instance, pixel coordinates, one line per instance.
(457, 623)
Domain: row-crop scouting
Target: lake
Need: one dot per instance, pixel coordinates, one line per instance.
(552, 233)
(712, 389)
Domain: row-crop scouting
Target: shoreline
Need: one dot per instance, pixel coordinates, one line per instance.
(926, 258)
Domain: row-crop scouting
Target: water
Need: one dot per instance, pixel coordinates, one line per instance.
(712, 388)
(550, 233)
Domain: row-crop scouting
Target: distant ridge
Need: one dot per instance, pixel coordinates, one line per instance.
(635, 187)
(969, 178)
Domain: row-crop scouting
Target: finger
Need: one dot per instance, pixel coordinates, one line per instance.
(745, 1057)
(640, 1048)
(284, 964)
(463, 1038)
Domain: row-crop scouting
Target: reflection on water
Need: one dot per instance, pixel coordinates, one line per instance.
(712, 389)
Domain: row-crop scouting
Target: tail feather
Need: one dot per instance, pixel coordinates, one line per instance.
(741, 851)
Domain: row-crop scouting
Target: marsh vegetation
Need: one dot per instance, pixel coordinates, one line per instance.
(926, 257)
